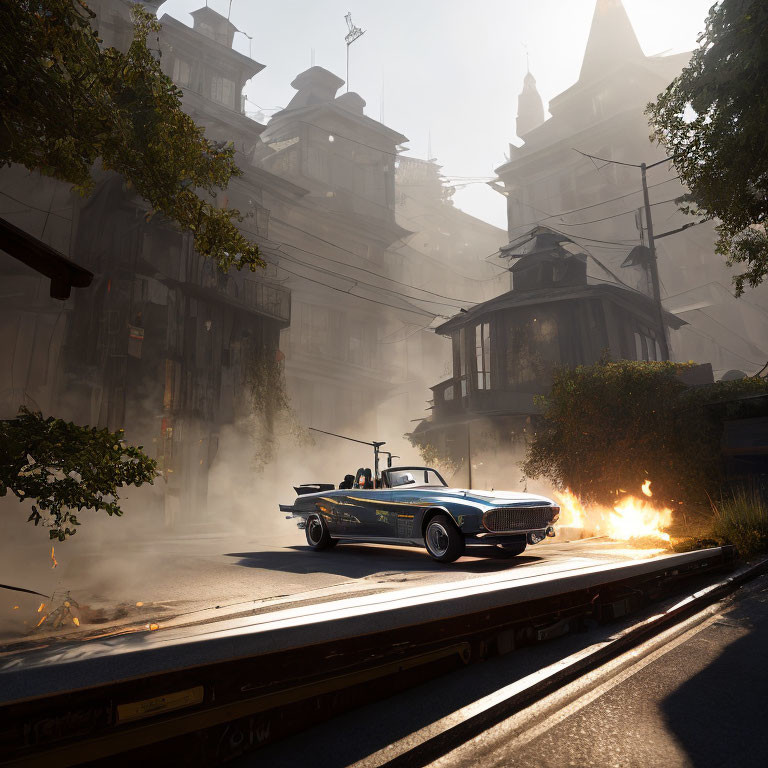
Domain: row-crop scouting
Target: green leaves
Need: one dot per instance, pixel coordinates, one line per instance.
(612, 425)
(721, 151)
(66, 103)
(66, 468)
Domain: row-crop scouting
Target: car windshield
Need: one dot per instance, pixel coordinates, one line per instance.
(414, 476)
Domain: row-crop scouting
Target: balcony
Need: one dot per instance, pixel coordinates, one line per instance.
(456, 396)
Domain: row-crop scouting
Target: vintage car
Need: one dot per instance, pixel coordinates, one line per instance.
(414, 506)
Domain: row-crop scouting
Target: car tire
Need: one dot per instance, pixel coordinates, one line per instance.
(512, 550)
(317, 533)
(443, 539)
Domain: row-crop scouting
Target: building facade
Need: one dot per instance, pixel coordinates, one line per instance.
(597, 202)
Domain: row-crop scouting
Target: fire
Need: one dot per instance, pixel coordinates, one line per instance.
(76, 621)
(139, 604)
(152, 627)
(42, 620)
(572, 514)
(54, 562)
(40, 609)
(629, 518)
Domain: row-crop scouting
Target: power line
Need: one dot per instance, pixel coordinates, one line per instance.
(362, 298)
(361, 269)
(589, 207)
(614, 216)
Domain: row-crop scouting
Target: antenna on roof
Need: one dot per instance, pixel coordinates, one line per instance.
(354, 34)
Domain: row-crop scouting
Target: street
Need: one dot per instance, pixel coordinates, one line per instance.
(689, 699)
(173, 581)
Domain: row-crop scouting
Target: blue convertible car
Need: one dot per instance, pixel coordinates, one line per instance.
(415, 506)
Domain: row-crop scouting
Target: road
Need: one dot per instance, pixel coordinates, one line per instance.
(693, 697)
(182, 579)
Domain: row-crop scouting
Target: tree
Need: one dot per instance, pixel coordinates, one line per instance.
(65, 467)
(712, 121)
(611, 426)
(66, 103)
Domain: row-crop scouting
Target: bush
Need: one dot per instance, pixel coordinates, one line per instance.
(610, 426)
(742, 520)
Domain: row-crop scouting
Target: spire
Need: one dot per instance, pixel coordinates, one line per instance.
(530, 109)
(611, 40)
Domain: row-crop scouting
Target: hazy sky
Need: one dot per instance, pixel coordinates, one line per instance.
(452, 68)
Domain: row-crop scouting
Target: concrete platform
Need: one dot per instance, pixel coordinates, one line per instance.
(78, 666)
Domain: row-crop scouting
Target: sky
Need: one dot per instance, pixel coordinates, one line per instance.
(445, 73)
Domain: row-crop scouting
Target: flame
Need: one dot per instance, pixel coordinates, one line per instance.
(572, 514)
(152, 627)
(76, 621)
(42, 620)
(53, 560)
(139, 604)
(629, 518)
(15, 607)
(40, 609)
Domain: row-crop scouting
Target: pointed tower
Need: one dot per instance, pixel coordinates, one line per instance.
(530, 109)
(611, 39)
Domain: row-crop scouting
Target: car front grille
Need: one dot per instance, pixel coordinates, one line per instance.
(504, 519)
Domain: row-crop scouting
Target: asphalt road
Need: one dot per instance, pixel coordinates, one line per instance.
(695, 701)
(197, 577)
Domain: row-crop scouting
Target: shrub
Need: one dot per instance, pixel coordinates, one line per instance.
(609, 426)
(742, 520)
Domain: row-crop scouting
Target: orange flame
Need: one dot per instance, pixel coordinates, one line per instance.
(139, 604)
(152, 627)
(40, 609)
(42, 620)
(53, 560)
(572, 513)
(76, 621)
(630, 518)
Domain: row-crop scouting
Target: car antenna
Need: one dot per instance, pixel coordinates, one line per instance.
(374, 443)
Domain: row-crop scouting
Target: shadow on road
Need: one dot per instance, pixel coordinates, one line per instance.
(718, 716)
(355, 561)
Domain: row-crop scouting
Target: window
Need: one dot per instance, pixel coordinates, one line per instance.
(483, 355)
(532, 348)
(181, 72)
(646, 345)
(223, 90)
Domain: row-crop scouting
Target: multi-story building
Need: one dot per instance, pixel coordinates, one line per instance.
(161, 343)
(597, 202)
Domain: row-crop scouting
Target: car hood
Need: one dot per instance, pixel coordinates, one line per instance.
(500, 498)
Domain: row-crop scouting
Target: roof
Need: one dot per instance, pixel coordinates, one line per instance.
(64, 274)
(611, 39)
(633, 300)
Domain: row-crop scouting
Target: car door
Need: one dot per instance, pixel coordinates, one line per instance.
(376, 518)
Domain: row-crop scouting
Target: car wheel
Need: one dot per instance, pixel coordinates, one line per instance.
(317, 533)
(443, 540)
(511, 550)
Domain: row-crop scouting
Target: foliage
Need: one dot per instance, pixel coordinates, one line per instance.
(64, 467)
(432, 456)
(608, 427)
(742, 520)
(721, 153)
(66, 103)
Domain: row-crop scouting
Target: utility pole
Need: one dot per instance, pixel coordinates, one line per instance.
(652, 263)
(653, 266)
(354, 33)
